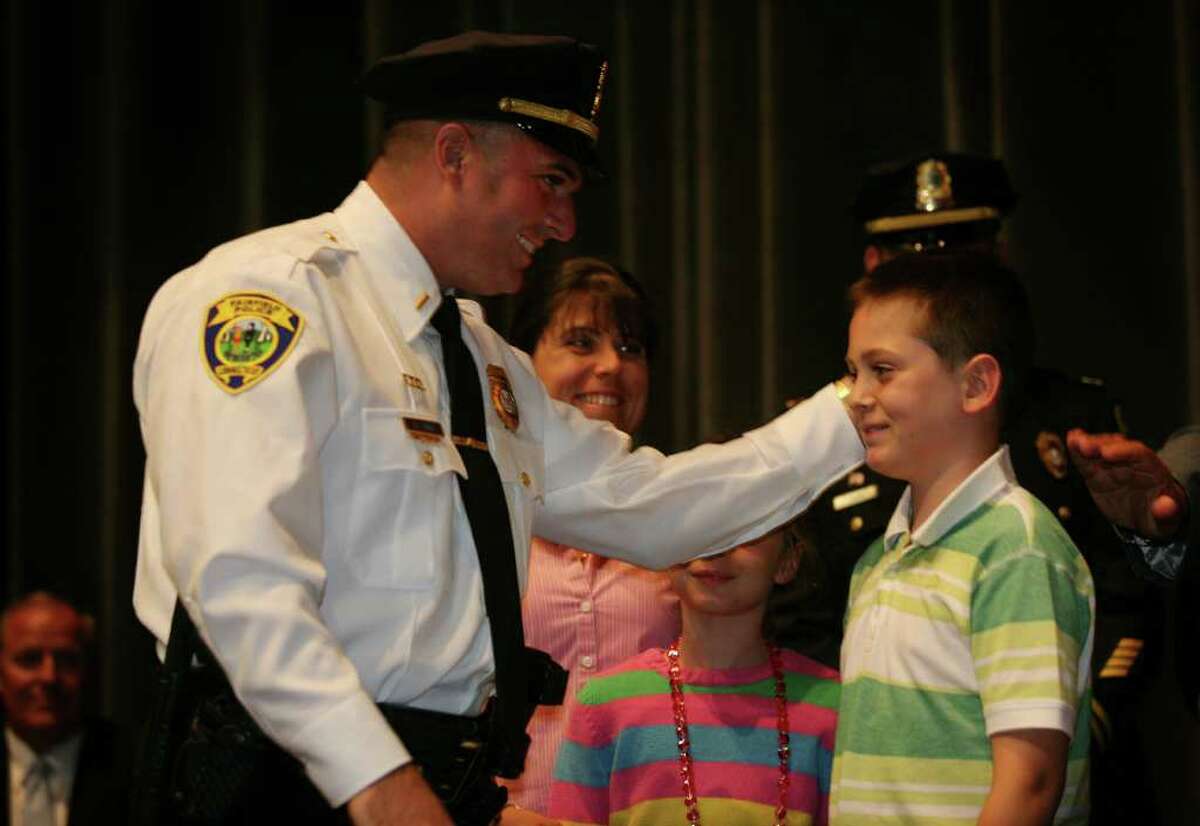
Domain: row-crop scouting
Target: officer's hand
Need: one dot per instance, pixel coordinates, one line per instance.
(515, 816)
(399, 798)
(1131, 485)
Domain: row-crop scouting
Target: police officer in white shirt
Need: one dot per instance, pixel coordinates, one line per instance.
(307, 497)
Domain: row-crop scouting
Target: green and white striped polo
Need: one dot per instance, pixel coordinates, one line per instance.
(979, 623)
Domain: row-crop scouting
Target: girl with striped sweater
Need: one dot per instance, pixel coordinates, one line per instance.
(721, 727)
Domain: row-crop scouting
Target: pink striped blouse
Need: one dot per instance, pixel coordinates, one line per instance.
(589, 613)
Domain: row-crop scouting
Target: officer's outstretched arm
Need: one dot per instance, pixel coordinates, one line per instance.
(1131, 485)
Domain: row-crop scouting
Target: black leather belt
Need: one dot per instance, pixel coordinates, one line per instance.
(456, 757)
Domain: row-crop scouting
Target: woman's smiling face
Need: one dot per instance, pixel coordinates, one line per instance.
(585, 361)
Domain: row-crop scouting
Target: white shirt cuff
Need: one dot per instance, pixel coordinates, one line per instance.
(348, 749)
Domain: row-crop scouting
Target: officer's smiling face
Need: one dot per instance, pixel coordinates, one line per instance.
(519, 197)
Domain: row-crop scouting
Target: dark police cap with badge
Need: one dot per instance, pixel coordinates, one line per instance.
(934, 201)
(549, 87)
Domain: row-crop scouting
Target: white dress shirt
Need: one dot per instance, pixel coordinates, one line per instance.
(63, 759)
(323, 552)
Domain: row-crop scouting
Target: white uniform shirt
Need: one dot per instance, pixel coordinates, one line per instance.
(323, 551)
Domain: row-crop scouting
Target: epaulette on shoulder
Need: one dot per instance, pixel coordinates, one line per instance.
(305, 239)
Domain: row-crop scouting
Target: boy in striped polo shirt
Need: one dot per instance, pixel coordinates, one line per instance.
(721, 728)
(969, 625)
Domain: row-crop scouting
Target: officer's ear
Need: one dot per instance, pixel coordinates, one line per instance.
(871, 258)
(980, 378)
(451, 146)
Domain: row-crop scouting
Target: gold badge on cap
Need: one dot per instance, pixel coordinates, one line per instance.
(1053, 453)
(603, 76)
(933, 186)
(503, 399)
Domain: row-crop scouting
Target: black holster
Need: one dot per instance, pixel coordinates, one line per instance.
(205, 762)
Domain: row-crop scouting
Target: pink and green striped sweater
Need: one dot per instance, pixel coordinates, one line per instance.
(619, 763)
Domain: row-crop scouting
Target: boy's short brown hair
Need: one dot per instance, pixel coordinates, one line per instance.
(973, 304)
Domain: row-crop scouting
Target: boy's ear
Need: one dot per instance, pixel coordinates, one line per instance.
(981, 380)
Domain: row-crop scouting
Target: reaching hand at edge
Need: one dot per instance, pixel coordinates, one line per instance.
(1130, 484)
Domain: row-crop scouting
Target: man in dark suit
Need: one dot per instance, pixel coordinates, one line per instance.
(63, 769)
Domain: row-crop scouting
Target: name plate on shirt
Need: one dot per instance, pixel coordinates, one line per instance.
(424, 430)
(855, 497)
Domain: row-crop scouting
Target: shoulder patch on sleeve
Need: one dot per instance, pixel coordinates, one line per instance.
(246, 336)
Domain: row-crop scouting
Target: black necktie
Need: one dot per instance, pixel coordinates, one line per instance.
(487, 512)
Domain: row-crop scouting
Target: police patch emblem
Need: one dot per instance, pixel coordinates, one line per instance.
(503, 399)
(246, 336)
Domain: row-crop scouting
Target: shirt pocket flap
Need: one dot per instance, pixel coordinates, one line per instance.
(396, 439)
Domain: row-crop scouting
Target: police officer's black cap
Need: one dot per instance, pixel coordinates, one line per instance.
(549, 87)
(937, 195)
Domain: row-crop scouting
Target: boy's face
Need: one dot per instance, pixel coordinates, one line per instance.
(736, 581)
(906, 403)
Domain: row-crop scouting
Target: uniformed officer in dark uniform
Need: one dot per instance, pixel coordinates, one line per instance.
(957, 201)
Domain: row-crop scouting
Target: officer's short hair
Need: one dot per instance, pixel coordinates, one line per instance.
(973, 304)
(408, 139)
(617, 295)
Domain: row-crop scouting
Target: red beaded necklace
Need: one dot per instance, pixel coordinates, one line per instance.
(685, 744)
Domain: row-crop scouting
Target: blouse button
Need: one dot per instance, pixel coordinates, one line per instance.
(585, 606)
(587, 661)
(426, 458)
(524, 477)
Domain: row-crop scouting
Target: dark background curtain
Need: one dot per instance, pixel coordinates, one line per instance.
(138, 135)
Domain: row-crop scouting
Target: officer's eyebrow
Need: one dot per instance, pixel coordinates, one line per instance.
(569, 171)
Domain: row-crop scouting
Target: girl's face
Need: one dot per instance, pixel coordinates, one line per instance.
(737, 581)
(585, 361)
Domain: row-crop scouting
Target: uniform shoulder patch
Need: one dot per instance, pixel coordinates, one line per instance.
(246, 336)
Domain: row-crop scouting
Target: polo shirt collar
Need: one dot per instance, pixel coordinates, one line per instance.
(398, 273)
(993, 476)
